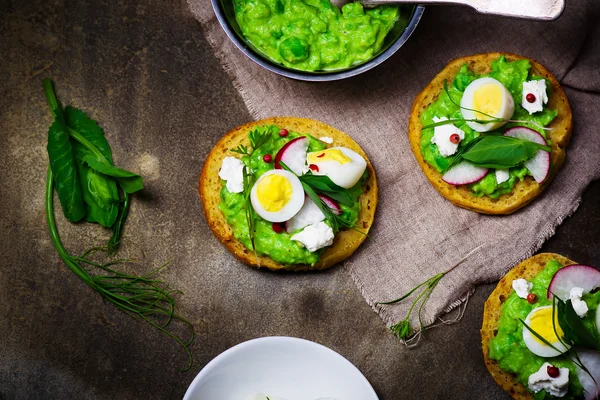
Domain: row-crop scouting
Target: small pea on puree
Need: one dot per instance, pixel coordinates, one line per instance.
(278, 246)
(511, 75)
(313, 35)
(508, 347)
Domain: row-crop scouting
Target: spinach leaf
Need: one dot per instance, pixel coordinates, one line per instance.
(62, 161)
(129, 181)
(100, 194)
(573, 327)
(501, 152)
(324, 184)
(79, 121)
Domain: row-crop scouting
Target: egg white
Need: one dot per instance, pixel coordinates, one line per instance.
(344, 175)
(506, 111)
(293, 205)
(535, 346)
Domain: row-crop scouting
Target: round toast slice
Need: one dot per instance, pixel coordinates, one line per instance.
(523, 192)
(345, 242)
(527, 269)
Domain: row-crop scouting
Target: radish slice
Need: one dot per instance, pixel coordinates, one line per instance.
(591, 360)
(539, 165)
(567, 278)
(293, 154)
(331, 203)
(464, 173)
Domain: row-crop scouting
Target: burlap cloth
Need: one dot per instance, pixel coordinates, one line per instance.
(417, 232)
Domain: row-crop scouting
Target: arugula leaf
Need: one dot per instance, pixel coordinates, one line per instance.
(62, 161)
(501, 152)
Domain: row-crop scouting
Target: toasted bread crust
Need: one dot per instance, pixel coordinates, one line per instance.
(527, 269)
(524, 192)
(345, 242)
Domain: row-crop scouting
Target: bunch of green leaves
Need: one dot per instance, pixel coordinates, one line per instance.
(494, 151)
(574, 332)
(88, 184)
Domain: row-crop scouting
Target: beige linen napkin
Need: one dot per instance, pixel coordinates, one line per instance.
(417, 232)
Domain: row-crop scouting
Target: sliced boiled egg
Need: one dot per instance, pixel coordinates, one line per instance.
(540, 321)
(342, 165)
(277, 195)
(491, 99)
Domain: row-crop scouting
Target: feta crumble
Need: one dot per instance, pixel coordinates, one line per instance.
(579, 305)
(232, 172)
(315, 236)
(555, 386)
(326, 139)
(441, 137)
(538, 89)
(309, 214)
(502, 175)
(522, 287)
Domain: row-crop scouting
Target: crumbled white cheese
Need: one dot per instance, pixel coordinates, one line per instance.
(555, 386)
(315, 236)
(538, 89)
(579, 305)
(522, 287)
(502, 175)
(326, 139)
(309, 214)
(232, 172)
(441, 137)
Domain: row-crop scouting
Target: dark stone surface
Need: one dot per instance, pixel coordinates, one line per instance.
(144, 70)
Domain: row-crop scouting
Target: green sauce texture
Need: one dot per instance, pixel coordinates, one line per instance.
(313, 35)
(508, 348)
(510, 74)
(278, 246)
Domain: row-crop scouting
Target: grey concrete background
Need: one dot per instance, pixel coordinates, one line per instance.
(145, 72)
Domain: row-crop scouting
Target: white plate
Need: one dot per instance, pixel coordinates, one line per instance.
(285, 367)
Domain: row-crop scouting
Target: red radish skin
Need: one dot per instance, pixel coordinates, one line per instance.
(464, 173)
(293, 154)
(331, 203)
(539, 165)
(576, 275)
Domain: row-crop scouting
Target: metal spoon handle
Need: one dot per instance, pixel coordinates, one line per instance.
(544, 10)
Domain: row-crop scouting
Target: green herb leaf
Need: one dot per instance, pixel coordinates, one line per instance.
(241, 149)
(324, 184)
(62, 161)
(115, 239)
(573, 327)
(258, 137)
(458, 156)
(89, 129)
(129, 181)
(501, 152)
(100, 194)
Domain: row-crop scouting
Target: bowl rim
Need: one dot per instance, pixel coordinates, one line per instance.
(281, 339)
(321, 77)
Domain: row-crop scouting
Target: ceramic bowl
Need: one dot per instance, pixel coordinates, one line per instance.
(283, 368)
(224, 10)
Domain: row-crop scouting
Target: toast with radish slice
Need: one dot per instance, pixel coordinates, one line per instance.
(345, 242)
(527, 269)
(454, 187)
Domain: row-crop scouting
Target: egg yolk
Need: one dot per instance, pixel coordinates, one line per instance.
(541, 323)
(328, 155)
(487, 100)
(274, 192)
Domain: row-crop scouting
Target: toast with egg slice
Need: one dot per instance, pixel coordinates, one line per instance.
(523, 192)
(345, 242)
(527, 269)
